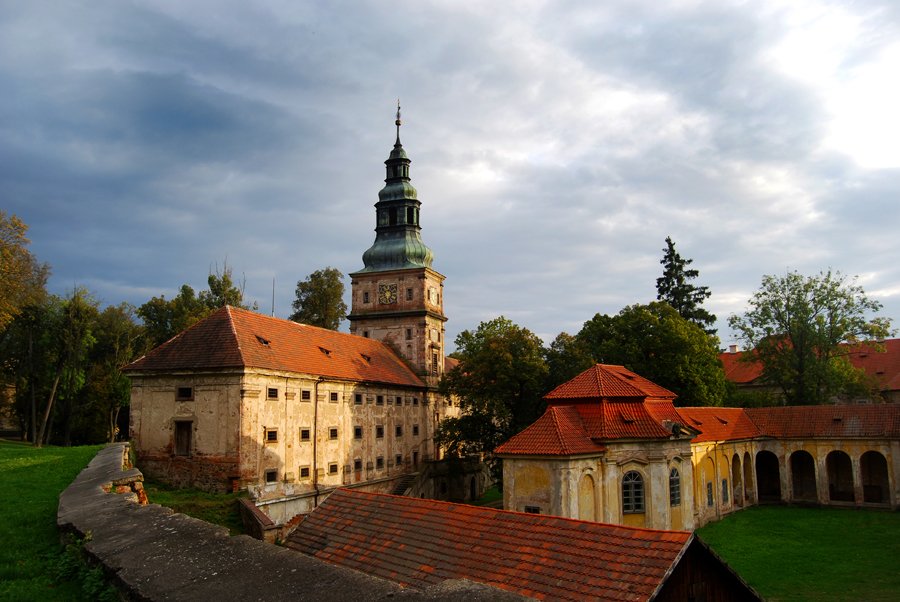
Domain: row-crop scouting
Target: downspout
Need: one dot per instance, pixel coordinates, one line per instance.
(315, 470)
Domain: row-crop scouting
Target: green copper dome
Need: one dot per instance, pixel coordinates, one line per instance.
(398, 241)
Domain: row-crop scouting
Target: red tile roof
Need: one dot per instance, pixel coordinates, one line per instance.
(418, 542)
(237, 338)
(559, 432)
(831, 421)
(605, 380)
(882, 365)
(719, 424)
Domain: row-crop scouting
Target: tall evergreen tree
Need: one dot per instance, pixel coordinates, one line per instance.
(673, 288)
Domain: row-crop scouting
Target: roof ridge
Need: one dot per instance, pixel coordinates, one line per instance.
(237, 339)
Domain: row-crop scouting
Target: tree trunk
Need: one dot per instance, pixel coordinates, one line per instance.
(38, 440)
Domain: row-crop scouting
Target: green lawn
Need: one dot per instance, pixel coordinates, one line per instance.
(822, 554)
(31, 558)
(217, 508)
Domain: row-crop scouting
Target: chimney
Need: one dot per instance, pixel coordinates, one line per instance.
(732, 349)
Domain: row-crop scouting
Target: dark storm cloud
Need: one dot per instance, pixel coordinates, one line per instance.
(554, 148)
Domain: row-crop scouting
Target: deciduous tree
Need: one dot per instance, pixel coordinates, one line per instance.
(320, 299)
(801, 328)
(499, 382)
(22, 278)
(674, 288)
(654, 341)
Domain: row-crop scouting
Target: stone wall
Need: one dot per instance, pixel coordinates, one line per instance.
(151, 553)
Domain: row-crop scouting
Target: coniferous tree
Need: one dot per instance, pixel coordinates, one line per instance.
(675, 289)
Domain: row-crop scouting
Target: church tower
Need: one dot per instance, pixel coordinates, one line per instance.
(397, 296)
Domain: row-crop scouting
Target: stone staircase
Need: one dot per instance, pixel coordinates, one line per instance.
(404, 484)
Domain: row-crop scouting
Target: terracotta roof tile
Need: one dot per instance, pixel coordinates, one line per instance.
(719, 424)
(605, 380)
(832, 421)
(419, 542)
(559, 432)
(882, 365)
(237, 338)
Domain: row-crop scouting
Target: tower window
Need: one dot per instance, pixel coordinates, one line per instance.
(366, 297)
(410, 215)
(392, 216)
(409, 334)
(409, 294)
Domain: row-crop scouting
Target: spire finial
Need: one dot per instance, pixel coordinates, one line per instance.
(398, 122)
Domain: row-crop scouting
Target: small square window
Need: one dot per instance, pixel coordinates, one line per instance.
(366, 298)
(357, 432)
(379, 463)
(271, 476)
(304, 472)
(533, 509)
(398, 431)
(271, 435)
(271, 393)
(305, 395)
(379, 401)
(333, 433)
(357, 399)
(415, 430)
(379, 432)
(357, 464)
(334, 396)
(398, 460)
(184, 394)
(304, 434)
(332, 468)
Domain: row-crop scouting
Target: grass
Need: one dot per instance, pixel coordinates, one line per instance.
(33, 564)
(823, 554)
(216, 508)
(490, 495)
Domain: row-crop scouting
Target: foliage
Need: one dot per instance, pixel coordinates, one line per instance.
(673, 288)
(217, 508)
(567, 357)
(320, 299)
(499, 382)
(22, 278)
(31, 480)
(163, 319)
(801, 330)
(821, 554)
(656, 342)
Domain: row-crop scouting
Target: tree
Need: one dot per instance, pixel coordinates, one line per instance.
(801, 330)
(22, 278)
(654, 341)
(673, 288)
(320, 299)
(567, 357)
(223, 291)
(499, 383)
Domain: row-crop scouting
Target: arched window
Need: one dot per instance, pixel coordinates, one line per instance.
(632, 493)
(674, 488)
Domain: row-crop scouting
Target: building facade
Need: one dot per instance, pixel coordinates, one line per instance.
(612, 447)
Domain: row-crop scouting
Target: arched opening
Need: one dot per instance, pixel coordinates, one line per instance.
(840, 477)
(874, 473)
(675, 518)
(736, 481)
(768, 477)
(473, 489)
(803, 476)
(748, 478)
(586, 503)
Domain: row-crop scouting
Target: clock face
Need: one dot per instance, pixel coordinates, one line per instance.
(387, 293)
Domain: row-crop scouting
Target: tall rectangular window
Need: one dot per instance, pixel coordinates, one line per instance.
(379, 400)
(724, 491)
(357, 399)
(379, 432)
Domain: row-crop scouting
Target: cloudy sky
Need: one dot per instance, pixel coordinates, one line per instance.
(555, 145)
